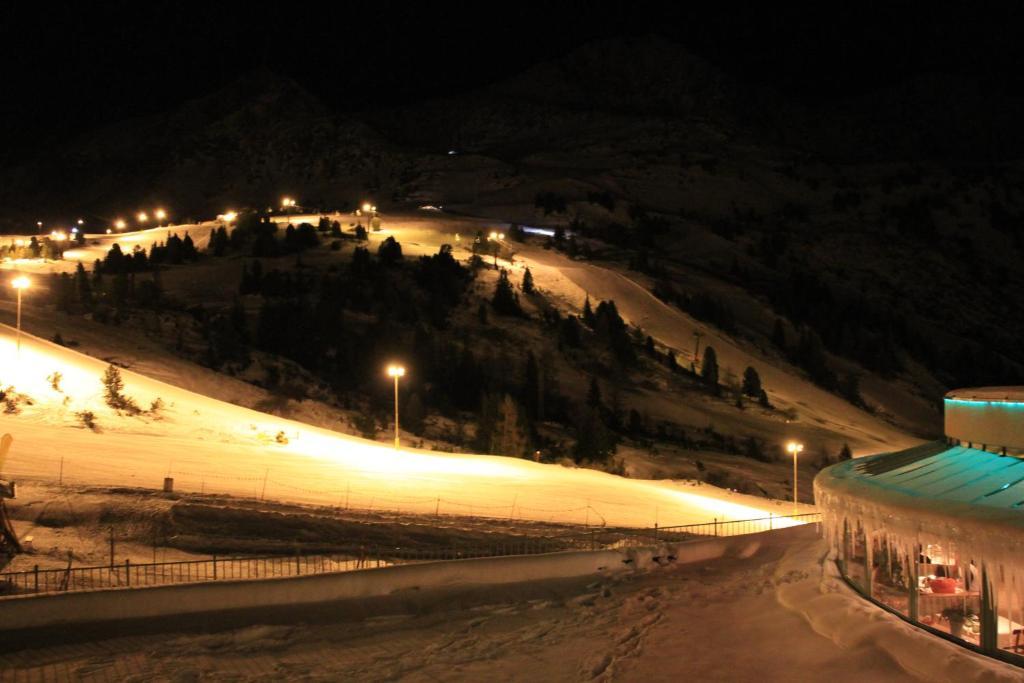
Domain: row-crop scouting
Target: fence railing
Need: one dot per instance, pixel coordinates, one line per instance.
(132, 575)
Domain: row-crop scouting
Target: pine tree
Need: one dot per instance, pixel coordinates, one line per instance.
(709, 368)
(751, 383)
(528, 282)
(83, 286)
(588, 314)
(505, 300)
(845, 453)
(509, 437)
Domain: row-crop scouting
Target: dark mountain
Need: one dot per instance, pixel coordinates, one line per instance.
(245, 145)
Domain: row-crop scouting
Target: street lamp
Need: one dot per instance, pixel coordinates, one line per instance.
(119, 224)
(794, 447)
(496, 238)
(142, 216)
(396, 371)
(160, 215)
(20, 283)
(287, 203)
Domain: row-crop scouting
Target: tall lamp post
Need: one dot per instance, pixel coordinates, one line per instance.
(794, 447)
(20, 283)
(396, 371)
(288, 204)
(496, 239)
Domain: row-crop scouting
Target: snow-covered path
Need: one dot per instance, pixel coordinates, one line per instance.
(721, 620)
(213, 446)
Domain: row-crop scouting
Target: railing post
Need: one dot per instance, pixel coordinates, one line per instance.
(214, 567)
(298, 565)
(36, 572)
(128, 571)
(715, 523)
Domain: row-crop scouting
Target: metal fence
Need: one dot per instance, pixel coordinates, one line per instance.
(617, 538)
(128, 574)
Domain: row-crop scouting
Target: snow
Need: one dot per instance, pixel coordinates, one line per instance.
(779, 614)
(213, 446)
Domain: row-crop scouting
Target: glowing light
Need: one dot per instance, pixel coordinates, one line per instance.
(80, 221)
(287, 202)
(160, 214)
(228, 217)
(794, 447)
(396, 371)
(21, 282)
(367, 207)
(119, 224)
(109, 231)
(142, 216)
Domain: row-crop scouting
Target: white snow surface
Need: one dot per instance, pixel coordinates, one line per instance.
(213, 446)
(778, 614)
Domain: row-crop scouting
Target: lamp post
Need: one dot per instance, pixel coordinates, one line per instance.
(794, 447)
(496, 238)
(160, 216)
(20, 283)
(396, 371)
(288, 204)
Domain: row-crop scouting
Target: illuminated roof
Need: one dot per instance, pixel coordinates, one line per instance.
(988, 394)
(934, 473)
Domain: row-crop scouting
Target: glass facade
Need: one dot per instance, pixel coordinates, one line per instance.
(935, 587)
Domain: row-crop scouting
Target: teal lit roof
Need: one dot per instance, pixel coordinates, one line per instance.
(987, 395)
(940, 473)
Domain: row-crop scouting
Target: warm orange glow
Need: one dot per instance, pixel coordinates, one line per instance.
(119, 224)
(228, 217)
(287, 202)
(160, 214)
(396, 371)
(367, 207)
(142, 216)
(794, 447)
(21, 282)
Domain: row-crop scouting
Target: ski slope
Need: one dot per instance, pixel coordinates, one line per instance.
(213, 446)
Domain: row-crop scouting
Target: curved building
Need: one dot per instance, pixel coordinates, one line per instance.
(936, 533)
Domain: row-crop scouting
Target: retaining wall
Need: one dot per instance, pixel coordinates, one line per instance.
(27, 613)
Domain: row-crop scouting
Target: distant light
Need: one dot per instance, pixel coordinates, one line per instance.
(21, 282)
(228, 216)
(80, 221)
(396, 371)
(74, 229)
(287, 202)
(367, 207)
(109, 231)
(794, 447)
(142, 216)
(160, 214)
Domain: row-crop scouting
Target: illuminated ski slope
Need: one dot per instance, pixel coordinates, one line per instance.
(213, 446)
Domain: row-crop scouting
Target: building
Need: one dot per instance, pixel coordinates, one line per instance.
(935, 533)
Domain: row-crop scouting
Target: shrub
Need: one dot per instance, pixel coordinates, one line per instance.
(113, 386)
(88, 419)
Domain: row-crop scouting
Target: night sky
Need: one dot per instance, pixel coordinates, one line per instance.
(66, 71)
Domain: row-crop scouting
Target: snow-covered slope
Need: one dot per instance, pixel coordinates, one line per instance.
(210, 445)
